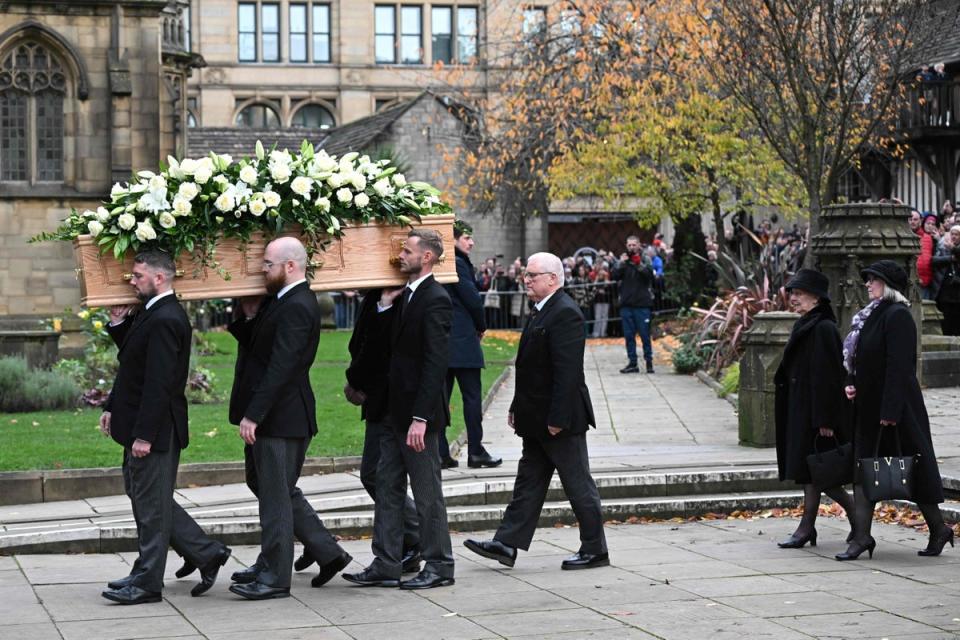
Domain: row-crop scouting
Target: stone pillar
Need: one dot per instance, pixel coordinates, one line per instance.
(853, 236)
(763, 350)
(931, 319)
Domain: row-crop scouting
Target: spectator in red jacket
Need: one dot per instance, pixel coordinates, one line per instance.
(929, 236)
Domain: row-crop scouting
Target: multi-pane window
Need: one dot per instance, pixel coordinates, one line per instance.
(258, 116)
(385, 34)
(298, 33)
(186, 29)
(32, 91)
(466, 34)
(270, 32)
(411, 35)
(534, 22)
(441, 26)
(247, 36)
(321, 33)
(313, 116)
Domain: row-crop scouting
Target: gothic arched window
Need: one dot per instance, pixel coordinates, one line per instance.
(33, 85)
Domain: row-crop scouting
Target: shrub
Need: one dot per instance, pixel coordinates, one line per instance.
(23, 389)
(687, 358)
(730, 383)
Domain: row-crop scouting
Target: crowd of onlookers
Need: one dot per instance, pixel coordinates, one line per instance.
(939, 262)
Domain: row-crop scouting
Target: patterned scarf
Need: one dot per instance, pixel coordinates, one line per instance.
(850, 342)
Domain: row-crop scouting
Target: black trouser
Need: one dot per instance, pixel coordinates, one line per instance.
(469, 382)
(568, 455)
(284, 512)
(397, 461)
(368, 477)
(161, 522)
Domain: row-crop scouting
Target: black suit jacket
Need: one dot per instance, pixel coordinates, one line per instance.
(148, 399)
(468, 321)
(272, 382)
(550, 388)
(419, 348)
(369, 357)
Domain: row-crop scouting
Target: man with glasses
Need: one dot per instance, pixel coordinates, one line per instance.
(551, 411)
(273, 403)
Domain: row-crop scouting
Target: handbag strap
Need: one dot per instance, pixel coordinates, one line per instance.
(817, 436)
(896, 435)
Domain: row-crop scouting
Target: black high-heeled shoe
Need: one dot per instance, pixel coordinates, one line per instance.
(797, 542)
(856, 549)
(938, 542)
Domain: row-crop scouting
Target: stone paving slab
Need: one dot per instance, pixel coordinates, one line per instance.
(57, 596)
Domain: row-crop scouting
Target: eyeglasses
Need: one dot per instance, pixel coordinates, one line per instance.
(270, 265)
(530, 275)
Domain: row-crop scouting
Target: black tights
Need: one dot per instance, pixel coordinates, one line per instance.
(811, 506)
(863, 516)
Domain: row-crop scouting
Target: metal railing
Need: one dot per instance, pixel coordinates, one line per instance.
(931, 104)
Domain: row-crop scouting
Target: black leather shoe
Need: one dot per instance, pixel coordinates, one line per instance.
(121, 583)
(246, 576)
(370, 578)
(581, 560)
(208, 575)
(259, 591)
(131, 594)
(331, 569)
(797, 542)
(630, 368)
(936, 543)
(304, 561)
(856, 549)
(185, 570)
(411, 561)
(483, 460)
(650, 367)
(494, 550)
(426, 579)
(448, 463)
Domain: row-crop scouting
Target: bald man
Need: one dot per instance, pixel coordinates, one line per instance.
(273, 404)
(551, 412)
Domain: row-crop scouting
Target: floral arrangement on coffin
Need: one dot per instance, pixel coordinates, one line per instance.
(191, 203)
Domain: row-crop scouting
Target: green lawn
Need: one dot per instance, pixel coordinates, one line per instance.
(71, 439)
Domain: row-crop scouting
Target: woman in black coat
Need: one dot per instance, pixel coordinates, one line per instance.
(880, 354)
(809, 396)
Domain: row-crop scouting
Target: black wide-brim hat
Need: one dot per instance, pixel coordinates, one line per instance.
(890, 272)
(811, 281)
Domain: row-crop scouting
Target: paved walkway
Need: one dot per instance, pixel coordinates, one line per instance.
(716, 579)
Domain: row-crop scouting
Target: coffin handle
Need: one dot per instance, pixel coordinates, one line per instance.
(126, 276)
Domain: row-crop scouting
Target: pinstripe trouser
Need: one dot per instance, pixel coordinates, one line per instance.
(186, 536)
(397, 461)
(284, 512)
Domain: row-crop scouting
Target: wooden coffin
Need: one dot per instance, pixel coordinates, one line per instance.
(365, 257)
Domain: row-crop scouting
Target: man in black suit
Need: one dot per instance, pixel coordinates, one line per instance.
(147, 414)
(273, 403)
(417, 318)
(466, 356)
(551, 411)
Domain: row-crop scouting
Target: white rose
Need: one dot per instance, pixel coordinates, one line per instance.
(358, 181)
(127, 221)
(117, 190)
(167, 220)
(323, 204)
(188, 190)
(344, 195)
(278, 156)
(225, 202)
(157, 183)
(102, 214)
(325, 163)
(181, 206)
(346, 166)
(301, 186)
(361, 200)
(145, 231)
(188, 166)
(249, 175)
(335, 181)
(94, 227)
(89, 214)
(399, 180)
(202, 174)
(257, 207)
(271, 198)
(279, 172)
(222, 180)
(382, 188)
(226, 160)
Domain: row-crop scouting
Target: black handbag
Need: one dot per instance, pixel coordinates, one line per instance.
(887, 478)
(831, 468)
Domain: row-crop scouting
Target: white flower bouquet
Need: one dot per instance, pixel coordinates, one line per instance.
(193, 203)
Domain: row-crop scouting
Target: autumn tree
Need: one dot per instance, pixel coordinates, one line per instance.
(820, 79)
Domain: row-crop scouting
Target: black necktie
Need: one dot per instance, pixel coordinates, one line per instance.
(405, 300)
